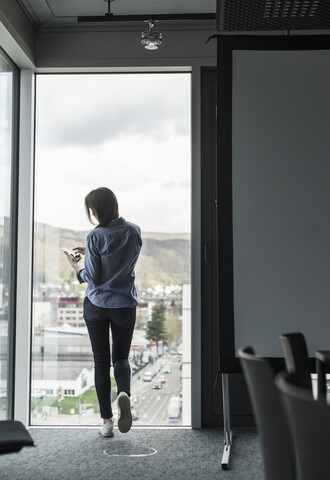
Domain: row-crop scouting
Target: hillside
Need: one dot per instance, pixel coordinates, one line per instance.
(164, 258)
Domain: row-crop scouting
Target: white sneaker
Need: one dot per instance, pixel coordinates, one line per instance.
(124, 412)
(107, 429)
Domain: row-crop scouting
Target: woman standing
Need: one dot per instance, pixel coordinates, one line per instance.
(111, 252)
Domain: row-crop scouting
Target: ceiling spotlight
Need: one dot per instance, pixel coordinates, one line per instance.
(151, 39)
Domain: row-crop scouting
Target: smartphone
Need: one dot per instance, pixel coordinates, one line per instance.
(70, 252)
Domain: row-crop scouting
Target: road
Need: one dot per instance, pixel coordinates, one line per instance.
(152, 403)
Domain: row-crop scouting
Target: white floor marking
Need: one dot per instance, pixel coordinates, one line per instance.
(153, 452)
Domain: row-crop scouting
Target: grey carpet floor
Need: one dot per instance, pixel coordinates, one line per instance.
(78, 454)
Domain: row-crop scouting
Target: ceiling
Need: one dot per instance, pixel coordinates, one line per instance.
(57, 13)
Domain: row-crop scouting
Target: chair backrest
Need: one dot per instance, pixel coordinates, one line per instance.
(276, 441)
(296, 358)
(13, 436)
(310, 426)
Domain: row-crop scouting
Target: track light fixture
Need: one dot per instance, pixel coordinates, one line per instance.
(110, 17)
(151, 39)
(109, 14)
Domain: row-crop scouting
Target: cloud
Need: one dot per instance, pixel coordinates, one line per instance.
(90, 110)
(152, 189)
(140, 149)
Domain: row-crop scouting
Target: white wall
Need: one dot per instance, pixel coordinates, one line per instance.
(281, 197)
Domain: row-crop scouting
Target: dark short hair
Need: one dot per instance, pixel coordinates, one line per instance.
(104, 202)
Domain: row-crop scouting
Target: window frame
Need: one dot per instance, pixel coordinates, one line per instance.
(13, 236)
(25, 228)
(195, 363)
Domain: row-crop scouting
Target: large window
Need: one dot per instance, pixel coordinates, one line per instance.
(131, 133)
(8, 122)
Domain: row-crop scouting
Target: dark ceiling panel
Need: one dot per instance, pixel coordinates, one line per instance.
(263, 15)
(49, 13)
(65, 8)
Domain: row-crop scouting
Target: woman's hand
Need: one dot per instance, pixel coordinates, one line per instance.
(73, 261)
(80, 251)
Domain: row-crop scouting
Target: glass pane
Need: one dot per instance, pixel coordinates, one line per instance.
(130, 133)
(6, 159)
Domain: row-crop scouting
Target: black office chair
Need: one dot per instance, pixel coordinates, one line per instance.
(276, 441)
(310, 427)
(296, 358)
(13, 436)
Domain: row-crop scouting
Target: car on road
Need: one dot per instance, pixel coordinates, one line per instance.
(147, 376)
(162, 379)
(174, 409)
(157, 384)
(167, 369)
(133, 367)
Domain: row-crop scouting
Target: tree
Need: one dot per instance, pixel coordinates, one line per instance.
(156, 326)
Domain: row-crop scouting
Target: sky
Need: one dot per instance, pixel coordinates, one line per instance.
(127, 132)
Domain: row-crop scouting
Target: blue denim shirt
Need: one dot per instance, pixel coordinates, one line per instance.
(110, 258)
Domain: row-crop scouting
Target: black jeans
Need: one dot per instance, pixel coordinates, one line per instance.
(121, 322)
